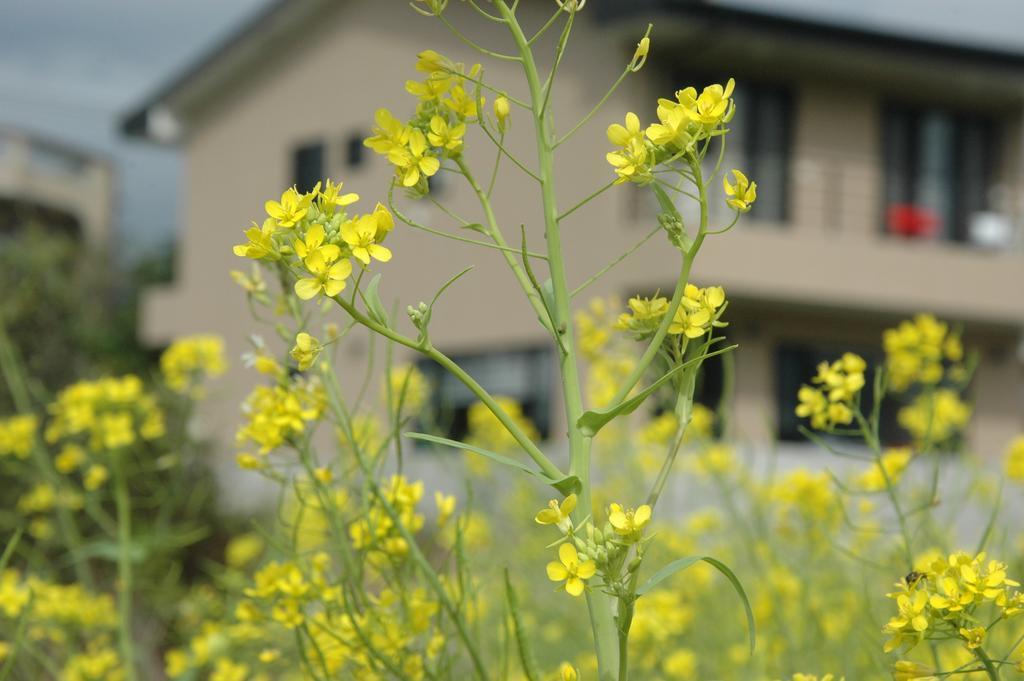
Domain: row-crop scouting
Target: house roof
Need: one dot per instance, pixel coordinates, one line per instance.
(156, 118)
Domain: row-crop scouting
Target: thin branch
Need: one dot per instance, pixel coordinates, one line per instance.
(479, 48)
(448, 235)
(502, 149)
(586, 200)
(603, 270)
(597, 107)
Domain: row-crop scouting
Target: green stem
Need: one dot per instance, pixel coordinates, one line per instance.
(124, 565)
(549, 468)
(986, 661)
(494, 232)
(599, 605)
(684, 275)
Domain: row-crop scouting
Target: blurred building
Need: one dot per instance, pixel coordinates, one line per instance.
(56, 185)
(889, 170)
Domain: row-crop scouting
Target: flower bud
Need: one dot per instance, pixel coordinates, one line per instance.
(502, 109)
(640, 55)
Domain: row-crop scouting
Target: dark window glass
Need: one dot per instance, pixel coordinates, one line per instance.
(523, 375)
(308, 166)
(939, 167)
(797, 363)
(354, 150)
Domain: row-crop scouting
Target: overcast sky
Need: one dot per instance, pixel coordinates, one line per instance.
(71, 68)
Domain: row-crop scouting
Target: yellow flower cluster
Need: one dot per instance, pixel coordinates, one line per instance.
(377, 533)
(191, 359)
(486, 431)
(944, 597)
(408, 388)
(437, 129)
(700, 310)
(316, 240)
(831, 404)
(275, 414)
(682, 123)
(935, 417)
(809, 494)
(17, 435)
(105, 415)
(916, 352)
(64, 617)
(889, 467)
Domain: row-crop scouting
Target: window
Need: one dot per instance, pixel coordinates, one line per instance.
(523, 375)
(797, 363)
(308, 168)
(354, 149)
(939, 167)
(759, 146)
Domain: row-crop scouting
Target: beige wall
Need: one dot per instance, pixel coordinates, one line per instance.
(357, 57)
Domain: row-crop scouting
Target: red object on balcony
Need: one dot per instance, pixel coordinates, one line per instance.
(909, 220)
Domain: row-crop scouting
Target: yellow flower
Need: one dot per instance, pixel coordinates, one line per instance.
(911, 622)
(460, 102)
(331, 197)
(445, 136)
(569, 569)
(260, 242)
(388, 134)
(190, 359)
(557, 513)
(306, 350)
(644, 315)
(907, 670)
(328, 276)
(974, 637)
(892, 464)
(243, 549)
(409, 388)
(742, 193)
(633, 162)
(566, 672)
(413, 160)
(290, 209)
(1015, 459)
(445, 507)
(711, 107)
(95, 476)
(361, 236)
(690, 324)
(674, 128)
(627, 522)
(250, 283)
(17, 435)
(314, 243)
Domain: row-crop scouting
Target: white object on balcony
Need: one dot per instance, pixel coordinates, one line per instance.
(990, 230)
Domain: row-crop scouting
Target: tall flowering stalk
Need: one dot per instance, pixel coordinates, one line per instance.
(321, 252)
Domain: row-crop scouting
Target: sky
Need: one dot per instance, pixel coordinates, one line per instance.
(71, 68)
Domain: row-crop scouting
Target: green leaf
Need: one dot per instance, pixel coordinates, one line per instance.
(12, 544)
(667, 206)
(526, 658)
(566, 485)
(476, 227)
(594, 420)
(683, 563)
(373, 303)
